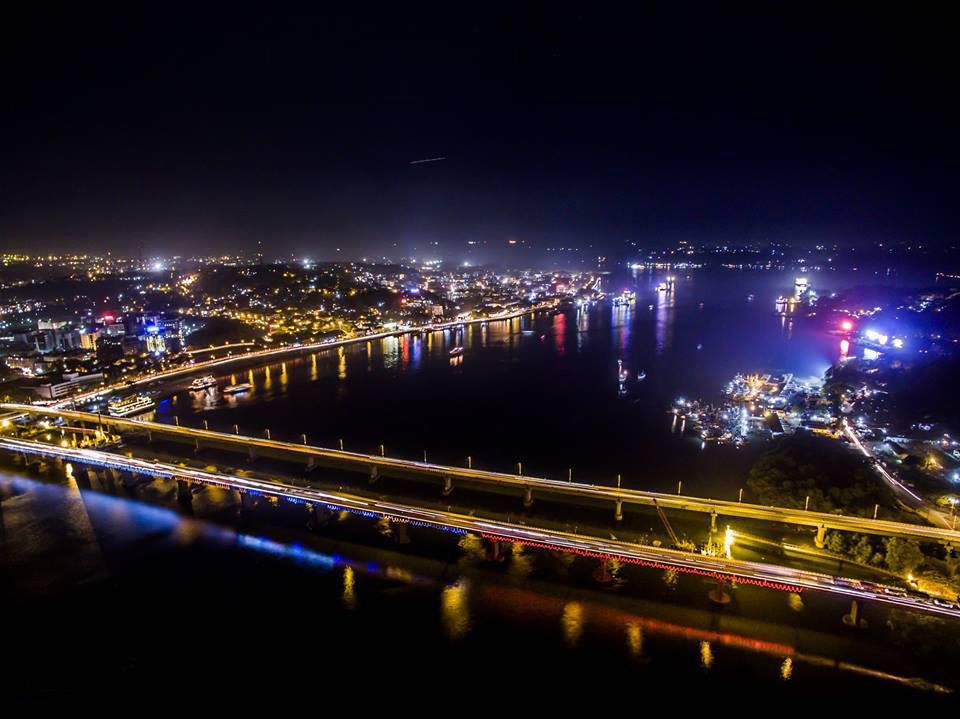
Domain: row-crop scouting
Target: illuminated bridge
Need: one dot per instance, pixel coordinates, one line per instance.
(526, 487)
(720, 569)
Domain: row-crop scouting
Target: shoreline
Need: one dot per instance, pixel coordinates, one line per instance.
(265, 354)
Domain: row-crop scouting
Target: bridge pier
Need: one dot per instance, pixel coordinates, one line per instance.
(399, 531)
(602, 572)
(495, 551)
(107, 479)
(713, 521)
(447, 486)
(129, 480)
(853, 619)
(247, 503)
(251, 455)
(374, 474)
(82, 479)
(319, 516)
(618, 511)
(527, 498)
(821, 539)
(184, 493)
(311, 464)
(719, 594)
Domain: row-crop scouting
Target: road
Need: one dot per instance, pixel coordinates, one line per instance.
(720, 568)
(519, 484)
(273, 352)
(906, 495)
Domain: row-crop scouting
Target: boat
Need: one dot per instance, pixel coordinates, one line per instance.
(641, 375)
(130, 405)
(456, 351)
(621, 372)
(203, 382)
(237, 388)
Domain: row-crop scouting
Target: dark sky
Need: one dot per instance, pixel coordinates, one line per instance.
(178, 128)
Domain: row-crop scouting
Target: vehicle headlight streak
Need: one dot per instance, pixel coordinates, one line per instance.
(718, 568)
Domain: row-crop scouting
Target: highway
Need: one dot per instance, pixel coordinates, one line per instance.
(906, 495)
(719, 568)
(501, 481)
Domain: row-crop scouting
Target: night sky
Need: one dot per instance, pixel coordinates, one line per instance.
(182, 129)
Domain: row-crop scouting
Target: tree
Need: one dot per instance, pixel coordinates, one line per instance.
(836, 542)
(864, 552)
(903, 555)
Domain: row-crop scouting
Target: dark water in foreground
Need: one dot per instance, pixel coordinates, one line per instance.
(117, 594)
(115, 597)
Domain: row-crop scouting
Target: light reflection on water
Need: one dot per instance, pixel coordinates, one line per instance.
(50, 526)
(553, 375)
(572, 622)
(454, 600)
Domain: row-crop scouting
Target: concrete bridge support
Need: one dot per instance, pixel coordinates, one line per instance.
(447, 486)
(527, 498)
(107, 479)
(719, 594)
(82, 478)
(374, 474)
(618, 511)
(247, 503)
(319, 516)
(495, 550)
(184, 493)
(129, 480)
(399, 531)
(821, 539)
(311, 464)
(602, 572)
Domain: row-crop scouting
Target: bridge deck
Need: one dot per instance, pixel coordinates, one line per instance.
(498, 481)
(720, 568)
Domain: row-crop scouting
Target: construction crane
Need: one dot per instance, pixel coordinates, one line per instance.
(673, 535)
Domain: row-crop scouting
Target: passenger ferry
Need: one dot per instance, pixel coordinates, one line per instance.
(133, 404)
(203, 382)
(456, 351)
(237, 388)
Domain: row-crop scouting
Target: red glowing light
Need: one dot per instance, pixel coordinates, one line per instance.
(844, 347)
(846, 325)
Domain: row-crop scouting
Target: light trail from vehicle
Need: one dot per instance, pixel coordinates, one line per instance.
(720, 569)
